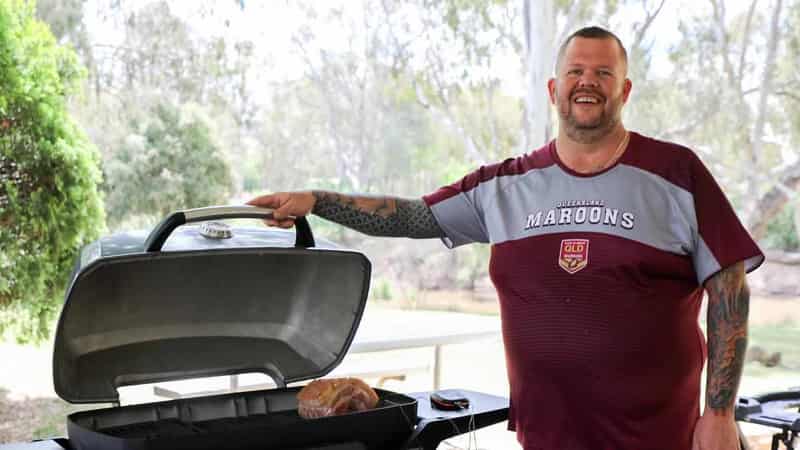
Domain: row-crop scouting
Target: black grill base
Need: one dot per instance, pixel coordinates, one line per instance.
(432, 426)
(241, 421)
(175, 429)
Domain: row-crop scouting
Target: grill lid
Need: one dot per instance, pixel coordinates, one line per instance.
(261, 300)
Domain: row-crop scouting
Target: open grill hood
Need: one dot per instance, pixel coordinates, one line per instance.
(176, 304)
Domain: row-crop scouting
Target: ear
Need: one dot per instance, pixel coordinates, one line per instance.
(551, 89)
(626, 90)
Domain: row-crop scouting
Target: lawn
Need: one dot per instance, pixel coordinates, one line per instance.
(782, 337)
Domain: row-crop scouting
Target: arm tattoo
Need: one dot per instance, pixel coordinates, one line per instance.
(728, 306)
(378, 216)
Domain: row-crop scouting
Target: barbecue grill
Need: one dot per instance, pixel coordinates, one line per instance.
(199, 301)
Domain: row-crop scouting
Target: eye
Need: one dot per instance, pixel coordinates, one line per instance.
(574, 72)
(605, 73)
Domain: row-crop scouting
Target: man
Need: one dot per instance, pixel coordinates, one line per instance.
(602, 242)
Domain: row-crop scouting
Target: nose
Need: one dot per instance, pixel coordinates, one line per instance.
(588, 81)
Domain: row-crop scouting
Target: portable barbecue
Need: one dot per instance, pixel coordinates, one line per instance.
(201, 301)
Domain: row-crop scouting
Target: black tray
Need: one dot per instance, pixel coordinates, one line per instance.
(779, 410)
(775, 409)
(260, 419)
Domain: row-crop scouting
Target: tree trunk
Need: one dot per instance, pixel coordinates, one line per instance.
(766, 91)
(763, 208)
(771, 203)
(539, 20)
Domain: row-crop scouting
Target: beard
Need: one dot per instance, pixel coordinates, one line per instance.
(589, 131)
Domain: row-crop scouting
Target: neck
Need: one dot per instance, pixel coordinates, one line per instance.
(595, 156)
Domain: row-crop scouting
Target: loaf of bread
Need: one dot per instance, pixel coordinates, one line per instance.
(332, 397)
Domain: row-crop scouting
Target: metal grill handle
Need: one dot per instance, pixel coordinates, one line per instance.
(161, 232)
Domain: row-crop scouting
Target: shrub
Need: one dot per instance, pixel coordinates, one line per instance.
(49, 202)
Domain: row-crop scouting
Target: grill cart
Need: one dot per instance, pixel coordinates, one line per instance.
(200, 301)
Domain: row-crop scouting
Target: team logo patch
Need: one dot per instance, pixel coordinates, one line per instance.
(574, 254)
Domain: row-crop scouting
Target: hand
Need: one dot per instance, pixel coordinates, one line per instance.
(284, 205)
(716, 432)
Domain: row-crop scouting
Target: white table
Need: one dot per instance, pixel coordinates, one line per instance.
(385, 330)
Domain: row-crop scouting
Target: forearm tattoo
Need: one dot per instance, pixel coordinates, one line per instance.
(728, 307)
(378, 216)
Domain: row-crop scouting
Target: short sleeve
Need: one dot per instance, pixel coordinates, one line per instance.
(458, 209)
(721, 240)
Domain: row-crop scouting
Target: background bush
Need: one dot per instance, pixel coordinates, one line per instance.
(49, 201)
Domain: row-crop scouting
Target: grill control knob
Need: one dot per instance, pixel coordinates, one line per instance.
(215, 230)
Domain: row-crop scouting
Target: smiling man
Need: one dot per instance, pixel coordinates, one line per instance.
(603, 242)
(589, 91)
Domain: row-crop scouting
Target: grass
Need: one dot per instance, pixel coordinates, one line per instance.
(783, 337)
(34, 418)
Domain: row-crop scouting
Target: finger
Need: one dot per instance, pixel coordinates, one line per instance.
(253, 201)
(270, 222)
(283, 212)
(288, 223)
(264, 201)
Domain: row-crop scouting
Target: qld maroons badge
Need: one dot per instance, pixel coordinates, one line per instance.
(574, 254)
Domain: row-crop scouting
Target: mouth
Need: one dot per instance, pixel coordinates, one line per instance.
(583, 98)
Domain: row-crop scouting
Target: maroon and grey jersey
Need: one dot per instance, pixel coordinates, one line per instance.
(600, 282)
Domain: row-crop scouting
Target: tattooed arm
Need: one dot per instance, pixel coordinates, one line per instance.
(728, 306)
(378, 216)
(373, 215)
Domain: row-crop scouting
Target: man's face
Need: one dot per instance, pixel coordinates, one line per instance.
(590, 88)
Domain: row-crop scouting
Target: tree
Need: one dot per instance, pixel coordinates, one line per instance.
(342, 133)
(131, 71)
(539, 28)
(173, 150)
(49, 202)
(65, 18)
(733, 72)
(780, 108)
(451, 49)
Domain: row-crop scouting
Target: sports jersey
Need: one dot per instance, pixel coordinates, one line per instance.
(599, 279)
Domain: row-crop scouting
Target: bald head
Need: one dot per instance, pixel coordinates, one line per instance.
(591, 33)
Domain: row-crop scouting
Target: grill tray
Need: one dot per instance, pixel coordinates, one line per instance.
(264, 419)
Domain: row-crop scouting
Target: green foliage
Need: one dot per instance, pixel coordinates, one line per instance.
(382, 289)
(470, 21)
(473, 264)
(170, 162)
(49, 203)
(65, 19)
(782, 231)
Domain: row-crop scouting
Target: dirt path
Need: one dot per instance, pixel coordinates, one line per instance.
(774, 310)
